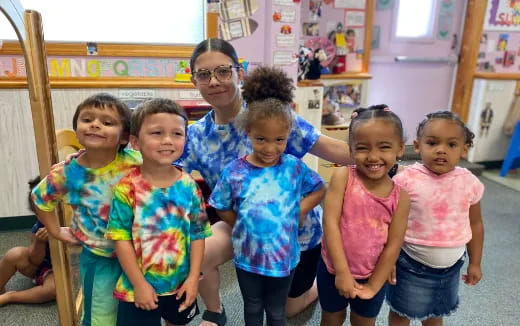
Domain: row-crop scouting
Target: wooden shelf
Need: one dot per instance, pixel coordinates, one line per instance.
(498, 76)
(348, 75)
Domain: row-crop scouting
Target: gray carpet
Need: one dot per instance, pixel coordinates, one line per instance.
(493, 302)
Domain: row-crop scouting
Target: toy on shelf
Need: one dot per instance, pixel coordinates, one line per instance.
(183, 74)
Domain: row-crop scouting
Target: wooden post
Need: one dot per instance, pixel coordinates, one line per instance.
(369, 17)
(45, 136)
(473, 23)
(212, 25)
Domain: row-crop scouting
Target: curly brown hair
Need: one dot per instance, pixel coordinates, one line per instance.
(268, 82)
(268, 92)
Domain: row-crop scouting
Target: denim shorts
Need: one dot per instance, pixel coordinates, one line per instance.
(423, 292)
(332, 301)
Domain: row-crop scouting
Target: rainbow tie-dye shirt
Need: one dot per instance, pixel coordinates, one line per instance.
(267, 203)
(89, 193)
(161, 223)
(210, 147)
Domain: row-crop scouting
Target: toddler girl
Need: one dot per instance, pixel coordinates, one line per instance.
(364, 221)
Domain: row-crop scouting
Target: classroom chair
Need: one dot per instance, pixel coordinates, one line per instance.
(512, 159)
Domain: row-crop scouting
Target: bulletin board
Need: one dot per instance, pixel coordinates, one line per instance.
(499, 50)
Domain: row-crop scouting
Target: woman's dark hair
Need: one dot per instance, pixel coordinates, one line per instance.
(447, 115)
(268, 92)
(380, 111)
(103, 101)
(154, 106)
(213, 44)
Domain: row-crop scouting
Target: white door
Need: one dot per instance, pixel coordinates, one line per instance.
(415, 76)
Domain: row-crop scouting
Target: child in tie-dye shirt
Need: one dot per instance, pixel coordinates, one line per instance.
(444, 222)
(364, 221)
(102, 125)
(159, 223)
(265, 195)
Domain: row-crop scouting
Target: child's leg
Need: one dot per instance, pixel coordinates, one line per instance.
(98, 278)
(358, 320)
(15, 259)
(38, 294)
(251, 287)
(432, 322)
(304, 289)
(275, 291)
(395, 320)
(333, 305)
(218, 250)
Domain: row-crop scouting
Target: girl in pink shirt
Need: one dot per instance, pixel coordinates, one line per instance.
(364, 221)
(444, 222)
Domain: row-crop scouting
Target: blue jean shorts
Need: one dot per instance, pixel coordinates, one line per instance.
(423, 292)
(332, 301)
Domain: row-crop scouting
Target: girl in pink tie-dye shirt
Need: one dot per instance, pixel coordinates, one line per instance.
(444, 222)
(364, 221)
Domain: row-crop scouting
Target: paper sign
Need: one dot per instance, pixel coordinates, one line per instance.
(285, 40)
(288, 16)
(136, 93)
(235, 29)
(354, 18)
(282, 58)
(283, 2)
(188, 95)
(349, 4)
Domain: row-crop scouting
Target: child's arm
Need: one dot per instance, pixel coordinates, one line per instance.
(38, 246)
(344, 282)
(145, 296)
(474, 247)
(309, 202)
(190, 286)
(388, 257)
(51, 224)
(228, 216)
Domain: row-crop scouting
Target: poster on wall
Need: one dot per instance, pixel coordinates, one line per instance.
(502, 15)
(349, 4)
(339, 102)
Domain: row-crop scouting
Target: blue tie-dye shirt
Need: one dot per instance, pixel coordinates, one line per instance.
(265, 199)
(210, 147)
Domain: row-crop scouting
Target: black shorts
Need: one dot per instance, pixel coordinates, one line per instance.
(305, 273)
(128, 314)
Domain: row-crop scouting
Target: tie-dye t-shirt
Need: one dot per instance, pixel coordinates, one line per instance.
(364, 223)
(210, 147)
(439, 205)
(161, 223)
(265, 235)
(89, 193)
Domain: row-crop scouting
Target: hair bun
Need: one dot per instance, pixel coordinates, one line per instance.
(268, 82)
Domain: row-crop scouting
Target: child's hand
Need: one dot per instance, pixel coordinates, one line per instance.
(65, 235)
(367, 292)
(347, 286)
(392, 280)
(145, 297)
(473, 276)
(190, 289)
(41, 235)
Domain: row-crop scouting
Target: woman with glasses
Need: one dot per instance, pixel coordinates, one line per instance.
(214, 141)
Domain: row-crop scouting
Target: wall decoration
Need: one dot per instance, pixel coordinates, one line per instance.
(314, 10)
(285, 29)
(283, 58)
(502, 15)
(509, 58)
(234, 9)
(235, 18)
(444, 26)
(239, 28)
(447, 6)
(340, 101)
(384, 4)
(349, 4)
(355, 18)
(311, 29)
(284, 2)
(286, 40)
(14, 66)
(486, 118)
(376, 34)
(288, 15)
(502, 42)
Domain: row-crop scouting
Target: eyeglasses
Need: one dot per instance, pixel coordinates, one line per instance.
(221, 73)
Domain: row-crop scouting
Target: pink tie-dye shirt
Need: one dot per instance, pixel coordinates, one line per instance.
(364, 224)
(439, 205)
